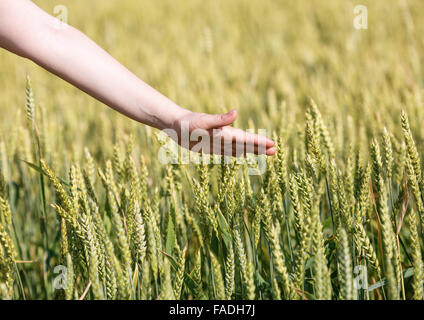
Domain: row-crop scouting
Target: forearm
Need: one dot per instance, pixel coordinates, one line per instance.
(30, 32)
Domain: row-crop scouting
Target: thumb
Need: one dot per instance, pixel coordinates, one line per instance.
(220, 120)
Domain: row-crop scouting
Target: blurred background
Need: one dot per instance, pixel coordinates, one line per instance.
(265, 58)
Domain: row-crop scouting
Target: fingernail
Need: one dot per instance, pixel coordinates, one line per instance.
(271, 151)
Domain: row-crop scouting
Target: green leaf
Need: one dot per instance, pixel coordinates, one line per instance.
(224, 228)
(40, 170)
(188, 279)
(170, 236)
(406, 274)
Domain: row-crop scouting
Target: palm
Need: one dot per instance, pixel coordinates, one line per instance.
(212, 133)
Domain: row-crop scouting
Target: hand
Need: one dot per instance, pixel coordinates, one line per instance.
(212, 133)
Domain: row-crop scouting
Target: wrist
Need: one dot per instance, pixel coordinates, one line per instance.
(173, 117)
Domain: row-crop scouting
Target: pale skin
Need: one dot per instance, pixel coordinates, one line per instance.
(28, 31)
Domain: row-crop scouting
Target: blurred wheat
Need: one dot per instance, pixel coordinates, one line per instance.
(81, 186)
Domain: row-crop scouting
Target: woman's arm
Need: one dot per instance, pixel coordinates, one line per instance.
(30, 32)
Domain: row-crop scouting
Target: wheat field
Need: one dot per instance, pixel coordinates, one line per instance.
(87, 210)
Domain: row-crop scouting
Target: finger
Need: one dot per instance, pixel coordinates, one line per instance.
(238, 152)
(236, 143)
(235, 150)
(271, 151)
(212, 121)
(239, 145)
(240, 149)
(256, 150)
(240, 136)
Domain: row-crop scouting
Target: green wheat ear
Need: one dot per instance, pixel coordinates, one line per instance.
(29, 100)
(331, 201)
(347, 290)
